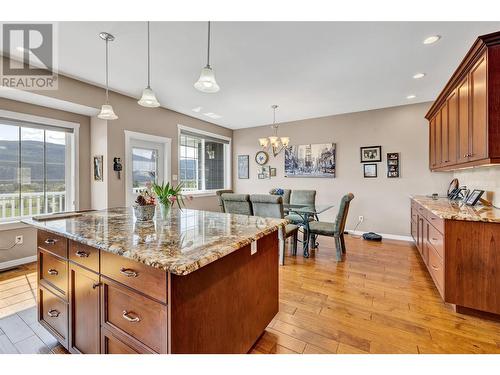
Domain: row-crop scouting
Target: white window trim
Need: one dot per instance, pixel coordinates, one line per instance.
(167, 168)
(10, 115)
(227, 176)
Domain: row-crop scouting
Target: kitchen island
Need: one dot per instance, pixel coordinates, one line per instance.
(194, 282)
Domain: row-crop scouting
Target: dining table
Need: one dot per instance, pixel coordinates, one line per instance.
(306, 212)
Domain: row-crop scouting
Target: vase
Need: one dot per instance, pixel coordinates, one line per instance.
(165, 210)
(144, 213)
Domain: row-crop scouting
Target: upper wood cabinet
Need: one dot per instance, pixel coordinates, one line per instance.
(464, 121)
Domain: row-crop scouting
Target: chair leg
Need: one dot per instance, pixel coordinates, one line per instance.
(311, 241)
(294, 242)
(338, 246)
(342, 241)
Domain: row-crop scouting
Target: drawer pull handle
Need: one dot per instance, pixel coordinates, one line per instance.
(82, 254)
(128, 272)
(52, 272)
(95, 285)
(434, 239)
(434, 267)
(50, 241)
(53, 313)
(127, 317)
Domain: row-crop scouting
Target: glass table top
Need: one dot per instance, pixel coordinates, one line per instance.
(304, 209)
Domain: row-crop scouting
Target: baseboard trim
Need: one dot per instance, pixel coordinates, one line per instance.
(17, 262)
(396, 237)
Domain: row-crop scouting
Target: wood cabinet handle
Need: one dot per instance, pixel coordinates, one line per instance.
(96, 285)
(53, 313)
(434, 239)
(52, 272)
(126, 315)
(82, 254)
(50, 241)
(128, 272)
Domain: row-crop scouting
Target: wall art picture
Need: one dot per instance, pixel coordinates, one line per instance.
(243, 166)
(264, 172)
(393, 165)
(272, 172)
(98, 165)
(314, 160)
(370, 170)
(371, 154)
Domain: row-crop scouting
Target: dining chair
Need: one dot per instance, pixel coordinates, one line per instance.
(236, 203)
(335, 229)
(219, 199)
(285, 196)
(303, 197)
(272, 206)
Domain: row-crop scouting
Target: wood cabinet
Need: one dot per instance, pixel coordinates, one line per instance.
(464, 121)
(461, 257)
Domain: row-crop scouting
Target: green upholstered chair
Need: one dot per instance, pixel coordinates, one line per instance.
(335, 229)
(272, 206)
(304, 197)
(285, 196)
(236, 203)
(219, 193)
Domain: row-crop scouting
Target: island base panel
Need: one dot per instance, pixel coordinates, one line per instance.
(225, 306)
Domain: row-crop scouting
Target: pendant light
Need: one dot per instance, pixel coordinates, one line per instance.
(148, 98)
(107, 112)
(206, 82)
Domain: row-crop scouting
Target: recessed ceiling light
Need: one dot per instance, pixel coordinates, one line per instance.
(212, 115)
(419, 75)
(411, 96)
(196, 109)
(432, 39)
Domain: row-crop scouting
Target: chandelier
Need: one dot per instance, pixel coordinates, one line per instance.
(274, 143)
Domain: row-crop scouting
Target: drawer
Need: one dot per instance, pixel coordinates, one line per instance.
(148, 280)
(134, 315)
(53, 314)
(436, 221)
(436, 239)
(53, 243)
(436, 268)
(111, 344)
(53, 272)
(84, 255)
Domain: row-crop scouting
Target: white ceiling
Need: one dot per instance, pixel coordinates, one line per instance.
(310, 69)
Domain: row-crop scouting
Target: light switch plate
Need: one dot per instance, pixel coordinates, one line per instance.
(253, 248)
(174, 177)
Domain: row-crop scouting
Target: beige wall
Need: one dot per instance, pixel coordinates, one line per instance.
(483, 178)
(382, 201)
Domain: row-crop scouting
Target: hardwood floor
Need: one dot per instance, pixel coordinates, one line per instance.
(380, 300)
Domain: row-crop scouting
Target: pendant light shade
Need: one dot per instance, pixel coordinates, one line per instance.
(107, 112)
(148, 98)
(206, 82)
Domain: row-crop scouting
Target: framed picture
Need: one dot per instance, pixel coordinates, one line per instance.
(243, 166)
(314, 160)
(272, 172)
(260, 176)
(393, 165)
(98, 168)
(371, 154)
(370, 170)
(265, 172)
(474, 197)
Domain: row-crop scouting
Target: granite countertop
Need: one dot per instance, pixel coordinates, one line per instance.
(184, 242)
(457, 210)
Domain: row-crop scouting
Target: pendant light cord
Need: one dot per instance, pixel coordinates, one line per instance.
(208, 47)
(107, 83)
(149, 61)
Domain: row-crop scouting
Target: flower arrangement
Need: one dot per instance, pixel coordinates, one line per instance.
(144, 206)
(168, 194)
(145, 198)
(277, 191)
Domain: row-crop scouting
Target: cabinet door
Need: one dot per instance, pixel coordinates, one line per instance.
(84, 311)
(463, 121)
(439, 160)
(432, 143)
(452, 128)
(445, 159)
(478, 124)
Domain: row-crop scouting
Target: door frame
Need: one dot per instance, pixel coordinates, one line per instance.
(167, 150)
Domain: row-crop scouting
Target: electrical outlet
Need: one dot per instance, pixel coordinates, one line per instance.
(19, 240)
(361, 218)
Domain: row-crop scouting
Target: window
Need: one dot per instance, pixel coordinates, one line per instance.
(144, 167)
(36, 169)
(203, 161)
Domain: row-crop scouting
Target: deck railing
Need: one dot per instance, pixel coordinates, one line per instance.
(13, 206)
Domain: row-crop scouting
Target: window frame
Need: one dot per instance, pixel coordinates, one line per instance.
(227, 159)
(74, 157)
